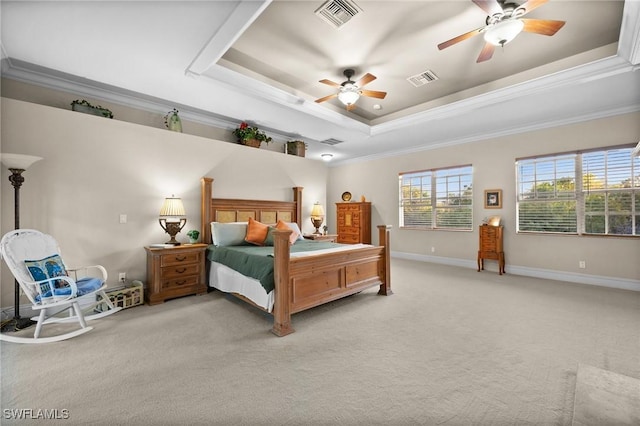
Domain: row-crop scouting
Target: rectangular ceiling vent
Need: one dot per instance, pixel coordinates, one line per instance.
(331, 141)
(423, 78)
(337, 12)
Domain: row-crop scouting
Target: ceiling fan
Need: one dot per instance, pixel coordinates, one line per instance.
(350, 91)
(504, 23)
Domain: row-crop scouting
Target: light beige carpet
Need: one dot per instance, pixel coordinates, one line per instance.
(605, 398)
(451, 347)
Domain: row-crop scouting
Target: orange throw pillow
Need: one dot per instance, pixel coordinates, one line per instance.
(282, 226)
(256, 232)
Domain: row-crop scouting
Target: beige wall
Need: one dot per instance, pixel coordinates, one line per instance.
(95, 169)
(494, 167)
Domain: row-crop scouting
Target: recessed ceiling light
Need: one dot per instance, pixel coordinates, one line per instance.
(326, 157)
(377, 107)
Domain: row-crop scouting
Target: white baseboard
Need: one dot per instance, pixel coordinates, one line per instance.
(612, 282)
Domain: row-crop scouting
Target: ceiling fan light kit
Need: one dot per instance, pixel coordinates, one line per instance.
(503, 32)
(349, 94)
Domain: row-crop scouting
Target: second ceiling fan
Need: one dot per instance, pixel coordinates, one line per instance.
(350, 91)
(504, 23)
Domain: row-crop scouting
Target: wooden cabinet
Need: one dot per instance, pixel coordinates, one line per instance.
(175, 271)
(354, 223)
(490, 246)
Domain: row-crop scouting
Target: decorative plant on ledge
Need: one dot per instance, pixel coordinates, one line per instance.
(251, 136)
(87, 108)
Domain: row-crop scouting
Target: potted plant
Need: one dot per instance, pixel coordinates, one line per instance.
(250, 135)
(172, 121)
(193, 236)
(87, 108)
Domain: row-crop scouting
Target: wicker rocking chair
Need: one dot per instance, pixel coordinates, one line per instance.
(34, 260)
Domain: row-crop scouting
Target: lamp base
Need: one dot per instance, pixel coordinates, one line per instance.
(17, 324)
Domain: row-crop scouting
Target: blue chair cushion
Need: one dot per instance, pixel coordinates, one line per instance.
(85, 286)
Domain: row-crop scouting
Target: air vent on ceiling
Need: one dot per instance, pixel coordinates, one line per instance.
(337, 12)
(331, 141)
(422, 78)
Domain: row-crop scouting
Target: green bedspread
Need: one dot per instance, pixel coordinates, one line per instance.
(257, 262)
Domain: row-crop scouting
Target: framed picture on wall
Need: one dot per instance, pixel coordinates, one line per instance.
(493, 198)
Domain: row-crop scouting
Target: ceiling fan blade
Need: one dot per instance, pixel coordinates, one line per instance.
(330, 83)
(351, 106)
(460, 38)
(373, 94)
(531, 5)
(542, 26)
(486, 53)
(492, 7)
(326, 98)
(366, 79)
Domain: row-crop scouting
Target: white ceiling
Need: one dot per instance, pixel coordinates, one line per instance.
(226, 61)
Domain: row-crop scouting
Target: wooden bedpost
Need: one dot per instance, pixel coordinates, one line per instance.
(297, 198)
(206, 187)
(383, 232)
(281, 307)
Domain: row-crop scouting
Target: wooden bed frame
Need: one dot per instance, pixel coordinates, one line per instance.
(305, 282)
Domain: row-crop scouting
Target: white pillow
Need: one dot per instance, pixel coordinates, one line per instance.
(228, 234)
(294, 226)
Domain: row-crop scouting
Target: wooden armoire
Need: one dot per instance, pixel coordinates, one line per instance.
(354, 222)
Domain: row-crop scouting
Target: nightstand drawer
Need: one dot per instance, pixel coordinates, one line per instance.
(179, 258)
(180, 282)
(180, 270)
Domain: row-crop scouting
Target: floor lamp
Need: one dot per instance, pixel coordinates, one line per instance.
(17, 163)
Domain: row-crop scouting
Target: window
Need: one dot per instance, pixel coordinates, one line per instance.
(595, 192)
(437, 199)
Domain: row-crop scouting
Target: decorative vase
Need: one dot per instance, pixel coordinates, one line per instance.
(172, 121)
(193, 240)
(255, 143)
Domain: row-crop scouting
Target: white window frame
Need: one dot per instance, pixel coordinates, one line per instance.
(437, 201)
(581, 192)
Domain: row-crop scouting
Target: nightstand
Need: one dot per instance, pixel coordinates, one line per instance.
(174, 272)
(316, 237)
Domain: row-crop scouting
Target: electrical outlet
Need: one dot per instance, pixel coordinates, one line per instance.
(122, 276)
(123, 218)
(582, 264)
(433, 249)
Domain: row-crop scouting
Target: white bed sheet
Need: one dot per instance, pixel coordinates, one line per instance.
(226, 279)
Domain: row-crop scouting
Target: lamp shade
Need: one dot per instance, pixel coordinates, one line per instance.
(349, 94)
(317, 211)
(503, 32)
(172, 207)
(18, 161)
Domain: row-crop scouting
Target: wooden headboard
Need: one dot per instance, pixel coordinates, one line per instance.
(232, 210)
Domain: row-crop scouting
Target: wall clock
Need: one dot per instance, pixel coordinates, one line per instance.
(346, 196)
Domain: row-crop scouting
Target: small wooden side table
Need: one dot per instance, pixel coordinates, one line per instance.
(317, 237)
(490, 246)
(174, 272)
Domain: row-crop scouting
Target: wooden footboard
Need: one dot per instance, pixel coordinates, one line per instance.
(306, 282)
